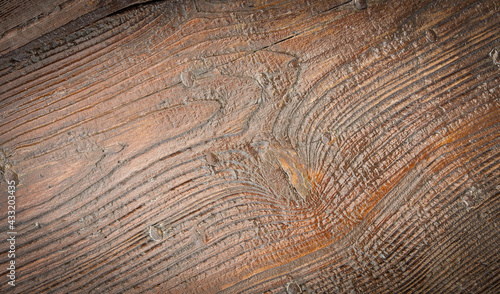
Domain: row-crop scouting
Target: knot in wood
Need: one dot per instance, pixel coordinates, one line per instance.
(360, 4)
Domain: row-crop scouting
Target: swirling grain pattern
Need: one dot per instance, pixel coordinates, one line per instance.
(203, 146)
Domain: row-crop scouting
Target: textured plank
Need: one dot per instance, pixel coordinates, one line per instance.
(258, 146)
(26, 20)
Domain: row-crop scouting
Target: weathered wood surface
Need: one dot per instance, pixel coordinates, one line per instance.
(256, 146)
(47, 21)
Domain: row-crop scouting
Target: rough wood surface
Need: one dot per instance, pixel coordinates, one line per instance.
(49, 21)
(256, 147)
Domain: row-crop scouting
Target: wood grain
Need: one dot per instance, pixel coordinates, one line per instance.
(255, 147)
(49, 21)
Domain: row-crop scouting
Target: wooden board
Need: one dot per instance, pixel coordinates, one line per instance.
(47, 21)
(255, 147)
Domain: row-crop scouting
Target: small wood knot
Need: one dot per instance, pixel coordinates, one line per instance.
(211, 159)
(326, 138)
(155, 233)
(293, 288)
(293, 63)
(360, 4)
(495, 56)
(431, 35)
(10, 176)
(263, 79)
(187, 78)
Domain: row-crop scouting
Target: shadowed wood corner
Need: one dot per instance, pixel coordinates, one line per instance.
(250, 146)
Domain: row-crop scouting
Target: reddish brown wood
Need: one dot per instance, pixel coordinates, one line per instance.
(254, 147)
(49, 21)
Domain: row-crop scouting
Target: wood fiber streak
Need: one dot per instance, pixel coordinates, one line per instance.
(252, 146)
(45, 22)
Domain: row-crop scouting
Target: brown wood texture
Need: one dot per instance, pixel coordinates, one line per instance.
(47, 21)
(255, 147)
